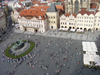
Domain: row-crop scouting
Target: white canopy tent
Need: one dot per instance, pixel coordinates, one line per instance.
(89, 46)
(80, 30)
(72, 30)
(90, 56)
(64, 29)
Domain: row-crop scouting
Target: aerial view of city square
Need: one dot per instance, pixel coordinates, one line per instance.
(49, 37)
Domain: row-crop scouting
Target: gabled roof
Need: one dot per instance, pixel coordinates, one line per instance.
(84, 11)
(52, 8)
(59, 7)
(34, 13)
(68, 14)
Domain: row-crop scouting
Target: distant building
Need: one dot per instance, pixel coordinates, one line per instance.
(10, 5)
(74, 6)
(18, 5)
(14, 15)
(2, 22)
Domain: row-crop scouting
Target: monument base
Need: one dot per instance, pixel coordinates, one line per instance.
(20, 51)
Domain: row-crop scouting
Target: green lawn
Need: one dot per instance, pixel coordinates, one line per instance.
(21, 55)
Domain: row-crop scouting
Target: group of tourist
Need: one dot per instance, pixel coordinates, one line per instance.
(56, 57)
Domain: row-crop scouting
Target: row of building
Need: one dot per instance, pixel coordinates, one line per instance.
(42, 18)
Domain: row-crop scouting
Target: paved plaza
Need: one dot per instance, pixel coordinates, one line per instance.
(52, 56)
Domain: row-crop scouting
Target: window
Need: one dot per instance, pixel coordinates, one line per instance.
(54, 16)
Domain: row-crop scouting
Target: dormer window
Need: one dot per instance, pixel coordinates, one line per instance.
(40, 17)
(45, 16)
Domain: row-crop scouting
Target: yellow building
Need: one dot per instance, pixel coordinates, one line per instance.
(53, 16)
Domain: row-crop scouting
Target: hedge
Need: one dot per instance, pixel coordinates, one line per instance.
(21, 55)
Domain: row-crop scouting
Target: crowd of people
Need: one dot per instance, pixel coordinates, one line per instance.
(56, 57)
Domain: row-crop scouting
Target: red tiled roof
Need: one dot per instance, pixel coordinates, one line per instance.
(68, 14)
(93, 5)
(21, 0)
(36, 2)
(83, 11)
(19, 10)
(94, 0)
(39, 3)
(55, 0)
(20, 3)
(40, 7)
(33, 13)
(59, 7)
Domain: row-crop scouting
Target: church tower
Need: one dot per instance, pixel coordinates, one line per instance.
(74, 6)
(66, 6)
(86, 4)
(69, 6)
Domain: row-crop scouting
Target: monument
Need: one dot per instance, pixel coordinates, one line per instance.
(19, 47)
(19, 44)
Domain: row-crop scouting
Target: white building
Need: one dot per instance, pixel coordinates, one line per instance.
(18, 5)
(33, 20)
(97, 20)
(85, 20)
(10, 5)
(68, 21)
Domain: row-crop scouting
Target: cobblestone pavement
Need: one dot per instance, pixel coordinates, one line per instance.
(89, 36)
(51, 56)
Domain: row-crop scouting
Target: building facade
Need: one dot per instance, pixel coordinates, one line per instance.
(97, 20)
(53, 16)
(84, 20)
(74, 6)
(68, 21)
(2, 22)
(14, 14)
(33, 21)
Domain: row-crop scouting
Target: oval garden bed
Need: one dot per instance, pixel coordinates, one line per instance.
(32, 45)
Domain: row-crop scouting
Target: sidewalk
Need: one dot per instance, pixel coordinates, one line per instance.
(55, 33)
